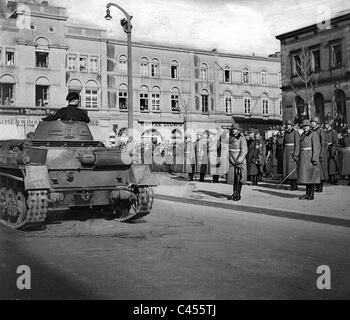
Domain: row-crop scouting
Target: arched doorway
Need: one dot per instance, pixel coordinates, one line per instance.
(319, 106)
(340, 115)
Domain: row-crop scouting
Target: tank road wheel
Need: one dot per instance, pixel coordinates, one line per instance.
(2, 203)
(138, 207)
(16, 209)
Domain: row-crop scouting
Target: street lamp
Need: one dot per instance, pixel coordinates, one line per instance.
(126, 24)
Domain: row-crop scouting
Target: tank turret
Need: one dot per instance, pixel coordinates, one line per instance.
(62, 168)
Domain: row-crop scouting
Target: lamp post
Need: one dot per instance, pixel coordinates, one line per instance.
(126, 24)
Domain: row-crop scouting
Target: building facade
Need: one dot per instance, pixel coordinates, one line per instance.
(319, 53)
(43, 57)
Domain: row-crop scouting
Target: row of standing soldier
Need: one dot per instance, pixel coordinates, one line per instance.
(309, 159)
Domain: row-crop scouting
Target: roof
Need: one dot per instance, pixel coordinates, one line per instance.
(336, 17)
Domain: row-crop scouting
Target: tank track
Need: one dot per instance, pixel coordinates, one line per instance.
(137, 208)
(20, 209)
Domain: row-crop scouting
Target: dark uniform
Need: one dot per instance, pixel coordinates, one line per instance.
(237, 173)
(254, 160)
(291, 150)
(69, 113)
(323, 154)
(308, 163)
(346, 155)
(332, 158)
(279, 151)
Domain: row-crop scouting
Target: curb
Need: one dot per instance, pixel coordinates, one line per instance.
(258, 210)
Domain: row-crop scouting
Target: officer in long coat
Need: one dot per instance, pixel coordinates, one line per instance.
(332, 157)
(315, 125)
(189, 154)
(308, 164)
(237, 174)
(346, 154)
(291, 150)
(250, 139)
(279, 150)
(254, 158)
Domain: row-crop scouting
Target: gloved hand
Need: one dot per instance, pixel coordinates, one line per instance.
(315, 163)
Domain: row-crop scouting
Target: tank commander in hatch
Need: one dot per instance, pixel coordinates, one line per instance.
(71, 112)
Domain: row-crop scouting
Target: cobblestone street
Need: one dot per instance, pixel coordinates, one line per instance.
(180, 251)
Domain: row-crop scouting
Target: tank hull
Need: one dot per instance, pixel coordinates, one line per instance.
(42, 176)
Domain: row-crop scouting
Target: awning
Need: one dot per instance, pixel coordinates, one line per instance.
(42, 81)
(9, 131)
(7, 79)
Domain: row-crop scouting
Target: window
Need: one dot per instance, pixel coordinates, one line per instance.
(264, 78)
(174, 69)
(228, 103)
(42, 59)
(155, 102)
(265, 105)
(41, 95)
(315, 60)
(83, 63)
(204, 72)
(91, 95)
(144, 67)
(205, 101)
(296, 65)
(93, 65)
(72, 62)
(74, 85)
(6, 93)
(227, 74)
(247, 105)
(123, 64)
(155, 68)
(10, 57)
(245, 76)
(123, 97)
(144, 98)
(336, 56)
(174, 100)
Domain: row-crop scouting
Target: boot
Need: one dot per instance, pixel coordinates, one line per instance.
(295, 185)
(234, 194)
(201, 177)
(311, 192)
(190, 177)
(304, 197)
(319, 187)
(239, 190)
(215, 178)
(291, 185)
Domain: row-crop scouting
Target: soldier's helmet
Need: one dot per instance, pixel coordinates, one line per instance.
(280, 128)
(72, 96)
(234, 126)
(289, 122)
(305, 123)
(316, 119)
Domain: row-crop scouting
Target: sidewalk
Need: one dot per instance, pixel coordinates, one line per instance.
(331, 206)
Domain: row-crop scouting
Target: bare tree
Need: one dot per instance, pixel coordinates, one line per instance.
(307, 76)
(184, 109)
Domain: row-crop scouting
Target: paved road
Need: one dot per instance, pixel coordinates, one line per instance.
(180, 251)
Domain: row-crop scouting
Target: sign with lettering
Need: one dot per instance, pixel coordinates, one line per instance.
(162, 124)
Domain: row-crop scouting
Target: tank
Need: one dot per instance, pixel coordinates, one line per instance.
(61, 169)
